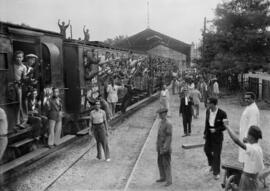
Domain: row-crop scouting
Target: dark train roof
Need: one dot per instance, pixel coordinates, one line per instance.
(148, 39)
(99, 44)
(24, 27)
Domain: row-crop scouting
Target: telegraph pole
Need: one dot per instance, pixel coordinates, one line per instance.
(204, 31)
(70, 31)
(148, 17)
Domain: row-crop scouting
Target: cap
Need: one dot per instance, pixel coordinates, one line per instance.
(31, 56)
(162, 110)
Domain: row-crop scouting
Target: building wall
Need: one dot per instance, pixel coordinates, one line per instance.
(166, 52)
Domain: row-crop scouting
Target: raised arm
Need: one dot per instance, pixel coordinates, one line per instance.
(234, 137)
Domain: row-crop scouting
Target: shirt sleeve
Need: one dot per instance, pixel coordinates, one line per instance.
(249, 149)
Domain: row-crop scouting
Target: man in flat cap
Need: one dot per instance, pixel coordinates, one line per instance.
(164, 139)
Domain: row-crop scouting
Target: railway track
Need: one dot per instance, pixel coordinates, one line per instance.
(132, 166)
(136, 126)
(124, 182)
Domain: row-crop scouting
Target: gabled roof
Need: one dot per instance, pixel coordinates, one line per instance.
(148, 39)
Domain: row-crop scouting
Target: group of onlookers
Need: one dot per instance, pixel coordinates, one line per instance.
(216, 121)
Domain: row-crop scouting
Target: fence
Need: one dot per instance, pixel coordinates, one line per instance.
(253, 86)
(261, 87)
(266, 90)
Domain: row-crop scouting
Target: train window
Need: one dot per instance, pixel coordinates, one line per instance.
(3, 61)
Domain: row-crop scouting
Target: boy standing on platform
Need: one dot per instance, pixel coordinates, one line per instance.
(164, 140)
(253, 160)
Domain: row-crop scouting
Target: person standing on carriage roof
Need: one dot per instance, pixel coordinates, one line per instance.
(86, 34)
(249, 117)
(253, 157)
(63, 27)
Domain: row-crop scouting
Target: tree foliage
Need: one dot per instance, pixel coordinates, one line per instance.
(112, 41)
(239, 40)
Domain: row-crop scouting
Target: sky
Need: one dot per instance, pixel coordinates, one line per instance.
(180, 19)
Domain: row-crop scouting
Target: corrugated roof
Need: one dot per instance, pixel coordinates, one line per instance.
(148, 39)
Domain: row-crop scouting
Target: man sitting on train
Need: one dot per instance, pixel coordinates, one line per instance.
(35, 118)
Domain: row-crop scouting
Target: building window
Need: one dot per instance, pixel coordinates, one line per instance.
(3, 61)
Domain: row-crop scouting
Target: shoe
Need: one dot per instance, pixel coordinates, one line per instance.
(188, 134)
(108, 160)
(216, 177)
(99, 158)
(168, 184)
(51, 146)
(211, 169)
(184, 135)
(160, 180)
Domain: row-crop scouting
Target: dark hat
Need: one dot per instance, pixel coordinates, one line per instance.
(162, 110)
(255, 132)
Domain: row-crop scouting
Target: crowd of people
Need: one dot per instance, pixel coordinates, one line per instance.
(193, 91)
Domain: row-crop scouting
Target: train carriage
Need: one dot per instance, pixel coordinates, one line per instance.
(81, 70)
(48, 47)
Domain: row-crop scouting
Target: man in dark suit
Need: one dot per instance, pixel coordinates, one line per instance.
(213, 135)
(164, 141)
(185, 109)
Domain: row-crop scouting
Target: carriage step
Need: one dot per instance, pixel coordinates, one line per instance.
(27, 158)
(66, 138)
(83, 132)
(21, 143)
(192, 146)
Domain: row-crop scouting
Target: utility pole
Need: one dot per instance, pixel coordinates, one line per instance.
(203, 40)
(148, 17)
(70, 31)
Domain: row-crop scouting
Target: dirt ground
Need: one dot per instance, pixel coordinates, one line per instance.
(189, 167)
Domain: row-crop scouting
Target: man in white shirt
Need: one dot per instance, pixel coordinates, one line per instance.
(249, 117)
(3, 132)
(216, 89)
(99, 128)
(20, 72)
(196, 96)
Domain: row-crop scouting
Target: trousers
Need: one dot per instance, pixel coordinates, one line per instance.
(3, 146)
(55, 128)
(187, 123)
(101, 140)
(212, 149)
(164, 166)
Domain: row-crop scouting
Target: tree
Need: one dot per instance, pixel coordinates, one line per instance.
(115, 40)
(239, 40)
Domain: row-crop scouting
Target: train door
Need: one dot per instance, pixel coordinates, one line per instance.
(8, 103)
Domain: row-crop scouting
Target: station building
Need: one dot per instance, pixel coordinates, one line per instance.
(157, 44)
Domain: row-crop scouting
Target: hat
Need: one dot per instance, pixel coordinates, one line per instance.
(162, 110)
(31, 56)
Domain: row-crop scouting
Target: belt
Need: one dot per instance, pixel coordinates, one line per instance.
(98, 123)
(3, 135)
